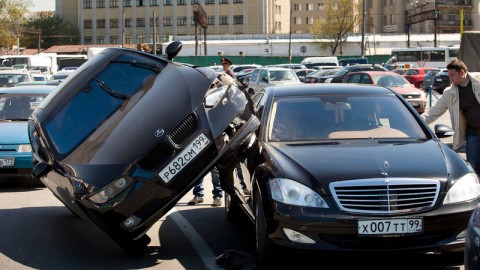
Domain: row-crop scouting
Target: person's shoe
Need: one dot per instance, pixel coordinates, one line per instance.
(217, 202)
(246, 192)
(196, 200)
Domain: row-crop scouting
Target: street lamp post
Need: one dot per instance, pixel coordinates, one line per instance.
(290, 38)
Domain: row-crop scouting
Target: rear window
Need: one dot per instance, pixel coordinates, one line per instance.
(98, 99)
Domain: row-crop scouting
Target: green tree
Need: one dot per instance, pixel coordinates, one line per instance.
(55, 31)
(11, 19)
(342, 16)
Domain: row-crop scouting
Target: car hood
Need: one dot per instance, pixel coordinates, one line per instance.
(14, 133)
(406, 90)
(361, 160)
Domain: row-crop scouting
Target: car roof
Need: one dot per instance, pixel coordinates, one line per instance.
(375, 72)
(327, 89)
(32, 89)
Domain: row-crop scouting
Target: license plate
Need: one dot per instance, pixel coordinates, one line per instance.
(390, 226)
(184, 158)
(438, 80)
(7, 162)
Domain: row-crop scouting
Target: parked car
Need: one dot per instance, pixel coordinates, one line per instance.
(416, 97)
(62, 75)
(130, 133)
(441, 81)
(416, 75)
(472, 242)
(429, 78)
(9, 78)
(338, 76)
(315, 77)
(342, 167)
(400, 71)
(238, 68)
(352, 61)
(302, 73)
(267, 76)
(16, 105)
(292, 66)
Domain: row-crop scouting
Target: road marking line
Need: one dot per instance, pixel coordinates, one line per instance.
(200, 246)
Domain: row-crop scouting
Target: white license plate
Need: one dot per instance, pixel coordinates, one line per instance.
(390, 226)
(184, 158)
(7, 162)
(438, 80)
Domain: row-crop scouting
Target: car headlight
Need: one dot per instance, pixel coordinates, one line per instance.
(212, 98)
(465, 189)
(290, 192)
(110, 191)
(328, 80)
(24, 148)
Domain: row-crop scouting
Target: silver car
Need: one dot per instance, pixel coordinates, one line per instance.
(268, 76)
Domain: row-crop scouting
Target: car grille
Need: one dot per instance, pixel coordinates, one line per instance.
(410, 96)
(163, 151)
(184, 130)
(385, 195)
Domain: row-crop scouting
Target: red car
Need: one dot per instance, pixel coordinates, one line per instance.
(416, 97)
(416, 75)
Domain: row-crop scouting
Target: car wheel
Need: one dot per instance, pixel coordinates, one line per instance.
(232, 209)
(135, 247)
(265, 250)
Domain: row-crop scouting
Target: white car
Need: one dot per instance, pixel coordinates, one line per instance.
(268, 76)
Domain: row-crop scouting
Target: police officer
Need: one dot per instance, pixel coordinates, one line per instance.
(226, 64)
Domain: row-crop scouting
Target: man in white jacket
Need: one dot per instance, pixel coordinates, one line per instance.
(462, 100)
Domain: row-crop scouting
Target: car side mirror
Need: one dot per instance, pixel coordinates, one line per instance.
(40, 169)
(173, 49)
(443, 131)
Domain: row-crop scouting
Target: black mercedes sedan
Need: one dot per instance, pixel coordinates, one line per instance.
(124, 138)
(342, 168)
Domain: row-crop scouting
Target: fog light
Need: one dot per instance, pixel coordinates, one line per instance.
(297, 237)
(130, 222)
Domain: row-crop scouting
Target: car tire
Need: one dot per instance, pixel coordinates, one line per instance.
(265, 251)
(135, 247)
(232, 209)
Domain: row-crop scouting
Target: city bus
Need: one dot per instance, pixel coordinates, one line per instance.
(437, 57)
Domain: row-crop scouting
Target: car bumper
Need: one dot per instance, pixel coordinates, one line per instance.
(442, 231)
(22, 165)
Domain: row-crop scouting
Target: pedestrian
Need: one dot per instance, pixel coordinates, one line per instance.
(226, 64)
(198, 191)
(462, 100)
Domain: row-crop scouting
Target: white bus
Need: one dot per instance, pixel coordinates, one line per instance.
(437, 57)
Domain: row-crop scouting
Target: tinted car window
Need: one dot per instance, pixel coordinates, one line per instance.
(100, 97)
(328, 117)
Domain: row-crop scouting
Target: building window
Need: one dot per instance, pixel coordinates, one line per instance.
(140, 39)
(321, 6)
(297, 7)
(451, 17)
(114, 39)
(209, 2)
(153, 2)
(278, 26)
(237, 1)
(128, 39)
(140, 22)
(309, 7)
(309, 20)
(87, 40)
(113, 23)
(167, 2)
(223, 1)
(211, 20)
(223, 20)
(140, 3)
(182, 20)
(127, 3)
(167, 21)
(238, 19)
(100, 3)
(195, 2)
(128, 22)
(297, 20)
(87, 3)
(87, 24)
(181, 2)
(113, 3)
(156, 22)
(100, 40)
(101, 23)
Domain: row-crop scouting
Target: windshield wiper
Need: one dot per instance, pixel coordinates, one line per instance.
(110, 91)
(152, 67)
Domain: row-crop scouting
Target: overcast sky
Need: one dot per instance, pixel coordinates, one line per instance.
(43, 5)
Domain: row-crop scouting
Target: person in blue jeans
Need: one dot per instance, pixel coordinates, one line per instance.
(217, 191)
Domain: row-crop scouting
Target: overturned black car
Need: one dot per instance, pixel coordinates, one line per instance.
(125, 137)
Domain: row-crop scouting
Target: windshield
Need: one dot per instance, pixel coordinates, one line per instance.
(98, 99)
(283, 75)
(9, 80)
(341, 117)
(18, 106)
